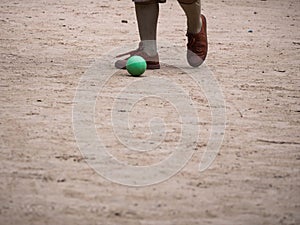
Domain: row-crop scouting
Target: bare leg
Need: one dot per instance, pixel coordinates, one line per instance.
(192, 9)
(147, 16)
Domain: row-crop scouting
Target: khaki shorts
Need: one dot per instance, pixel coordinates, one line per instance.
(159, 1)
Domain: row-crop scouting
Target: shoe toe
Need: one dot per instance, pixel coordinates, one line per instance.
(193, 59)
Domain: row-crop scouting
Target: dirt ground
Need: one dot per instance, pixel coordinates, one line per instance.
(254, 53)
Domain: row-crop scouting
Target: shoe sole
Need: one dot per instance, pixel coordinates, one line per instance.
(153, 67)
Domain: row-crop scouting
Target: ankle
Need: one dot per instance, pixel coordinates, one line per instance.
(149, 47)
(195, 28)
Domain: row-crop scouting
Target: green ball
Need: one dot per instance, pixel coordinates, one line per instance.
(136, 65)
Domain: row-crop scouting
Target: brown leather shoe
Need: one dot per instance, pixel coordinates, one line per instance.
(197, 46)
(152, 61)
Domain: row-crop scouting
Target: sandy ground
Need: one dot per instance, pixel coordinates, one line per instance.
(46, 46)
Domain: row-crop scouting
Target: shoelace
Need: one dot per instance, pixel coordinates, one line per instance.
(191, 43)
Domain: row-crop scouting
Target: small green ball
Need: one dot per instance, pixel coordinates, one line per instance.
(136, 65)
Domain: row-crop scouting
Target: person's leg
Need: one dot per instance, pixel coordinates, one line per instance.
(192, 9)
(147, 16)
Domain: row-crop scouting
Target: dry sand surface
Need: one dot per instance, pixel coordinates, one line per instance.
(47, 46)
